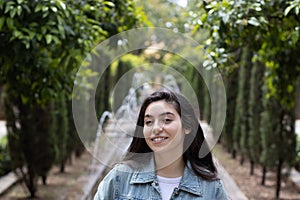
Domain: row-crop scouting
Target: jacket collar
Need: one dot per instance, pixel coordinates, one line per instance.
(144, 174)
(190, 182)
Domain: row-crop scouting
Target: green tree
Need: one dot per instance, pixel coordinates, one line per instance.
(48, 39)
(231, 82)
(61, 129)
(74, 144)
(245, 85)
(33, 146)
(255, 109)
(270, 29)
(240, 129)
(168, 14)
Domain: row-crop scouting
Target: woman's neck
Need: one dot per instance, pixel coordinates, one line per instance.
(167, 168)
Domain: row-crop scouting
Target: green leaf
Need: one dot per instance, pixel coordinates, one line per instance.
(17, 33)
(27, 8)
(38, 8)
(288, 9)
(61, 30)
(2, 19)
(253, 21)
(39, 37)
(290, 88)
(61, 4)
(110, 4)
(48, 38)
(297, 10)
(13, 13)
(10, 23)
(1, 5)
(45, 8)
(44, 29)
(295, 35)
(9, 6)
(45, 14)
(55, 39)
(27, 44)
(54, 9)
(31, 34)
(19, 10)
(24, 99)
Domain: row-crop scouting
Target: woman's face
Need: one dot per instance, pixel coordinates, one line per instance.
(163, 128)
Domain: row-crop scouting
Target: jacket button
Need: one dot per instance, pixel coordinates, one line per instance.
(176, 191)
(154, 184)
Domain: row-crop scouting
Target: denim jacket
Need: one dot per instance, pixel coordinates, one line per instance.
(122, 183)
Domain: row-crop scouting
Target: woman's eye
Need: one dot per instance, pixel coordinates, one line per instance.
(166, 121)
(148, 123)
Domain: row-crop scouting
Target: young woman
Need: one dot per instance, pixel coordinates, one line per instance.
(168, 157)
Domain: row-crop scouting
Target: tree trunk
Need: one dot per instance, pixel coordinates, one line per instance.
(62, 167)
(242, 160)
(79, 151)
(251, 167)
(229, 150)
(278, 184)
(31, 182)
(233, 154)
(263, 178)
(44, 179)
(70, 159)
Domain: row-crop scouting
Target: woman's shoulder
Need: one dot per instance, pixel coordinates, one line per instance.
(121, 169)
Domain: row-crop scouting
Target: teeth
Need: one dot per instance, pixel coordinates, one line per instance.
(158, 139)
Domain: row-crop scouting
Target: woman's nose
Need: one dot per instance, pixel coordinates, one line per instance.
(158, 126)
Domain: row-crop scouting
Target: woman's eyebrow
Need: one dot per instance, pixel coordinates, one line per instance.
(147, 115)
(166, 113)
(162, 114)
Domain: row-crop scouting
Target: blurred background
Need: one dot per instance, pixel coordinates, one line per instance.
(254, 45)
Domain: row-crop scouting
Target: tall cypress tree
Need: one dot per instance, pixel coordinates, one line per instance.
(240, 128)
(37, 143)
(255, 110)
(269, 128)
(231, 83)
(73, 143)
(278, 138)
(246, 76)
(47, 153)
(61, 131)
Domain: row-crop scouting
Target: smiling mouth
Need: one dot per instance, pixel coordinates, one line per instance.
(159, 139)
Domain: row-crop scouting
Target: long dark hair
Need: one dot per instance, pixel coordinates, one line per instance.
(194, 142)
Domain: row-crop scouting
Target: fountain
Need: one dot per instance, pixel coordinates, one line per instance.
(170, 82)
(119, 123)
(129, 105)
(99, 132)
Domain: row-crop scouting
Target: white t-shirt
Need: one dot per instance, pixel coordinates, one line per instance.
(167, 186)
